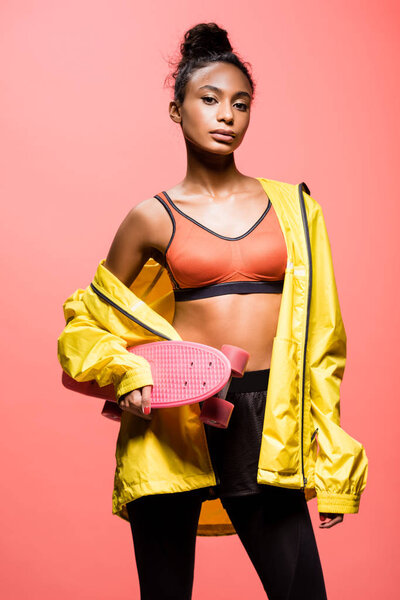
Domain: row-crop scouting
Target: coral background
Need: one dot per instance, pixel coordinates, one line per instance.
(85, 135)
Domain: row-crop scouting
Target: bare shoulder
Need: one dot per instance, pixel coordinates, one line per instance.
(146, 219)
(139, 237)
(147, 212)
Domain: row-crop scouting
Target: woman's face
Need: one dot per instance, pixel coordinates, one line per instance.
(217, 96)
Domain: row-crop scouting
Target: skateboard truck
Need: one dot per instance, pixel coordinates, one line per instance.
(217, 411)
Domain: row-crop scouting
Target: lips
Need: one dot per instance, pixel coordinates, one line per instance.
(227, 132)
(223, 135)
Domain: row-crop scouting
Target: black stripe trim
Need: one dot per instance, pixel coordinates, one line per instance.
(307, 236)
(170, 240)
(172, 219)
(306, 188)
(124, 312)
(230, 287)
(224, 237)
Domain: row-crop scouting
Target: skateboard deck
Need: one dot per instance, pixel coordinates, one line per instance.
(183, 372)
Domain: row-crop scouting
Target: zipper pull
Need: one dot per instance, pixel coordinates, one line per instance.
(303, 487)
(313, 435)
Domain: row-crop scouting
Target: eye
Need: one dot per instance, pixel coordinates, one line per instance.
(243, 105)
(208, 98)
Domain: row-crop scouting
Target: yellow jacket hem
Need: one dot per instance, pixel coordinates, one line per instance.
(338, 503)
(213, 519)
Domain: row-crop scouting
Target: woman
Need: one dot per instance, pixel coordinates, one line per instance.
(223, 258)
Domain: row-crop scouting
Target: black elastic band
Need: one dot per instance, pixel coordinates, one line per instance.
(230, 287)
(252, 381)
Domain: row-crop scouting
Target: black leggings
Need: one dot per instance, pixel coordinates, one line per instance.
(274, 527)
(272, 523)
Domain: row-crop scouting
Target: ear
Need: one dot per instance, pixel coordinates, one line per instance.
(174, 111)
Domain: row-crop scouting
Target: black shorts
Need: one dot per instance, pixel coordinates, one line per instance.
(235, 451)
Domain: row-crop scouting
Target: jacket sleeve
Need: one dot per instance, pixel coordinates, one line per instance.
(341, 464)
(87, 351)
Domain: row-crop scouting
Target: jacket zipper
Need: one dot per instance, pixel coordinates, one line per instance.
(127, 314)
(307, 235)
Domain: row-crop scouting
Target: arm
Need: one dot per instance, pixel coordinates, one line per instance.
(342, 464)
(86, 349)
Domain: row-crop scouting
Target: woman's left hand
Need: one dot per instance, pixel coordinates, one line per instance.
(330, 519)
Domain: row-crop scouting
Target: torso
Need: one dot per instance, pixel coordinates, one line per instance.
(246, 320)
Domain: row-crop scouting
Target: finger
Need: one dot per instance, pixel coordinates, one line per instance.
(139, 413)
(331, 522)
(126, 399)
(134, 399)
(324, 515)
(146, 399)
(122, 403)
(335, 516)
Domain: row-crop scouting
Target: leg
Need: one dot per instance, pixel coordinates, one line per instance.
(164, 530)
(276, 531)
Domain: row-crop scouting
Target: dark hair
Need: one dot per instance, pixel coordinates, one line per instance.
(204, 43)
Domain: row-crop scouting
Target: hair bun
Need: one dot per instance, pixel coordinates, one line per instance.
(205, 39)
(203, 44)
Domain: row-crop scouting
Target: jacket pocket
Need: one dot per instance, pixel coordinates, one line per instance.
(281, 440)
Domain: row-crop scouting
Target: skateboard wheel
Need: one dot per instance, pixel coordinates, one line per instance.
(237, 357)
(216, 412)
(111, 410)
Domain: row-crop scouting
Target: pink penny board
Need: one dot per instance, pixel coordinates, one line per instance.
(183, 373)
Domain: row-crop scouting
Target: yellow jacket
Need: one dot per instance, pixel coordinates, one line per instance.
(169, 453)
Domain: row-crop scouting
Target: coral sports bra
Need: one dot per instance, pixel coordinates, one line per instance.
(202, 263)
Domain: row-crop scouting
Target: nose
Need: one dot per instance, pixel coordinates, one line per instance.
(225, 112)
